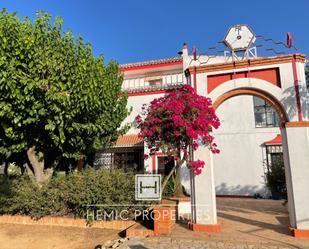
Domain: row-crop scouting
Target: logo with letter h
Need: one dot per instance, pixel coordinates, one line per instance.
(148, 187)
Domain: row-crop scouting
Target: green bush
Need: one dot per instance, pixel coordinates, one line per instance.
(171, 186)
(67, 194)
(275, 180)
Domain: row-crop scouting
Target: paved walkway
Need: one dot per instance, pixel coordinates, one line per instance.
(245, 223)
(250, 221)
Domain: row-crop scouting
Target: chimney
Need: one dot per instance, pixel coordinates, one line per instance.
(185, 50)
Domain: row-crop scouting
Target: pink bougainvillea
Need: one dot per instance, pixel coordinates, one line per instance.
(173, 122)
(196, 166)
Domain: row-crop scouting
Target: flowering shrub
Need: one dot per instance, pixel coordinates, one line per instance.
(171, 123)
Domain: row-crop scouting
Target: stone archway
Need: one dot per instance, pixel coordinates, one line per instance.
(295, 143)
(209, 193)
(278, 79)
(283, 121)
(258, 93)
(241, 138)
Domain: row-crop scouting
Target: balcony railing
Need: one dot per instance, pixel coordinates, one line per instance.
(152, 83)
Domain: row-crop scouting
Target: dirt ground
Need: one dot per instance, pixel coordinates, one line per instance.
(14, 236)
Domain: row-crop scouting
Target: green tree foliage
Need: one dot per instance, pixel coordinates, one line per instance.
(56, 99)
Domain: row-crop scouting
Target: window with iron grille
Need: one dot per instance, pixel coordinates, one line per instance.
(265, 115)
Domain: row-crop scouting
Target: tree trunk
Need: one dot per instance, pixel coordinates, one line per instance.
(178, 187)
(29, 167)
(167, 178)
(37, 162)
(6, 168)
(22, 169)
(80, 164)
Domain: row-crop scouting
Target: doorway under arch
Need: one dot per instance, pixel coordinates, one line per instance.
(240, 169)
(276, 104)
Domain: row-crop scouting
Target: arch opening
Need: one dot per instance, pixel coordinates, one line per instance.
(283, 117)
(258, 93)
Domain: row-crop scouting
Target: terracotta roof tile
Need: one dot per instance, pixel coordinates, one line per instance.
(129, 141)
(151, 62)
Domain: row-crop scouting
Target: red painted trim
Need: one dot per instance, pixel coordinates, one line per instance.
(208, 228)
(154, 164)
(294, 124)
(141, 67)
(194, 79)
(299, 233)
(146, 93)
(296, 87)
(253, 62)
(154, 161)
(270, 75)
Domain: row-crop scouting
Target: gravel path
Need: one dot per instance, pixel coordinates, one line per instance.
(169, 243)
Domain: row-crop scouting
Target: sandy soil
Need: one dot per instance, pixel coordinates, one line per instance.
(14, 236)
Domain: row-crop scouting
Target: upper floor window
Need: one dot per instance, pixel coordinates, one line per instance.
(264, 114)
(155, 83)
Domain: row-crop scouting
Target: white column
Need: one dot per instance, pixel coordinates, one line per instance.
(296, 159)
(203, 191)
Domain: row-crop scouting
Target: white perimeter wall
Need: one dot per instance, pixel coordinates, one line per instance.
(238, 169)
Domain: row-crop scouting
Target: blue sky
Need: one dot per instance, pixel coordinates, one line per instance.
(136, 30)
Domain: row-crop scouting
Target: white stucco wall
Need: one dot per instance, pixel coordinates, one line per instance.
(136, 103)
(239, 168)
(296, 148)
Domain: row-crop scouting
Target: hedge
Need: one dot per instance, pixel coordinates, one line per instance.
(67, 195)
